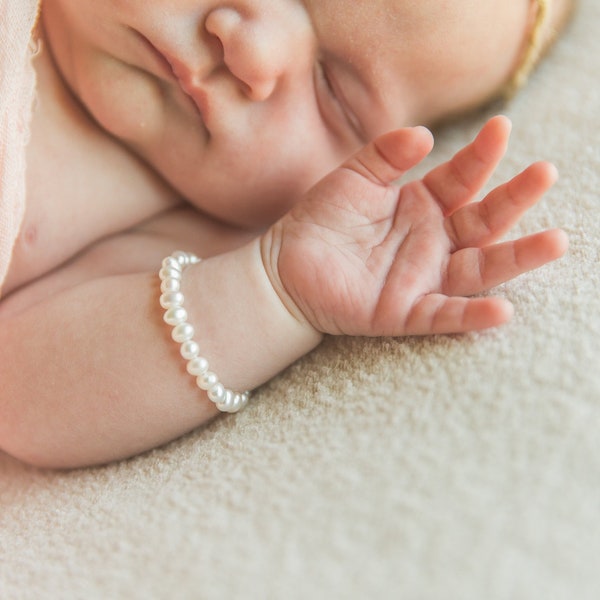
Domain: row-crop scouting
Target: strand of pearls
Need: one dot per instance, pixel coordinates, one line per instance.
(172, 301)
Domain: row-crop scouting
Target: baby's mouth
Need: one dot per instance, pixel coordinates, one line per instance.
(190, 87)
(179, 73)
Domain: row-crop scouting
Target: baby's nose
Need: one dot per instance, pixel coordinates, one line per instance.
(261, 47)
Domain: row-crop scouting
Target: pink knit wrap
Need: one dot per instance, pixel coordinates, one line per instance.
(17, 87)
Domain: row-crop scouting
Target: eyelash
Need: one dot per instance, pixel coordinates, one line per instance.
(325, 77)
(342, 121)
(323, 80)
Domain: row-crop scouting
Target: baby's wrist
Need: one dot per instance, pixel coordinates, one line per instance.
(283, 304)
(244, 330)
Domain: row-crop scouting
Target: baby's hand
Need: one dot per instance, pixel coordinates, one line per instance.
(360, 256)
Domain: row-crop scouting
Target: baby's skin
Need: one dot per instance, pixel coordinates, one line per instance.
(200, 125)
(357, 255)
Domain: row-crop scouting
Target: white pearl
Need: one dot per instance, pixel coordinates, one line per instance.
(189, 350)
(238, 403)
(234, 403)
(217, 393)
(183, 332)
(175, 316)
(171, 263)
(228, 399)
(170, 285)
(182, 258)
(227, 403)
(197, 366)
(207, 380)
(169, 273)
(171, 299)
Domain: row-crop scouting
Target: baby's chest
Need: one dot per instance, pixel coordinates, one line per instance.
(82, 187)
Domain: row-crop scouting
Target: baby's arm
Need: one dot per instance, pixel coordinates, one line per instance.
(90, 374)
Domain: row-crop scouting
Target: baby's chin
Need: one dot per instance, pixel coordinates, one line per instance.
(237, 202)
(244, 215)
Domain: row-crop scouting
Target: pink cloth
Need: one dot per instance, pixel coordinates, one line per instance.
(17, 87)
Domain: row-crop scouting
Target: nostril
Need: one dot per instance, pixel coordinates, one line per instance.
(223, 23)
(259, 91)
(216, 49)
(244, 49)
(213, 44)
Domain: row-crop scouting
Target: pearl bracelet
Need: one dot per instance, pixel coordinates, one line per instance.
(172, 300)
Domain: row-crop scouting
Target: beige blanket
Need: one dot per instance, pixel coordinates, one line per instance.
(445, 468)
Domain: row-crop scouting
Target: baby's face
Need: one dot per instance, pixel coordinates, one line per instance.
(242, 105)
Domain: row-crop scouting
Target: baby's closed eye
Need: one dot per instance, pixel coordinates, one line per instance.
(333, 105)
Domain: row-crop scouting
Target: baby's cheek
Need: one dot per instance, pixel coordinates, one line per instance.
(130, 107)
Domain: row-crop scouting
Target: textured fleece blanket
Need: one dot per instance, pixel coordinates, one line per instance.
(463, 467)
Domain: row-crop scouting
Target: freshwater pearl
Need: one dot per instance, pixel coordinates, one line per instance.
(244, 398)
(217, 393)
(197, 366)
(172, 300)
(183, 258)
(229, 401)
(171, 262)
(207, 380)
(175, 316)
(170, 285)
(238, 403)
(189, 350)
(183, 332)
(169, 272)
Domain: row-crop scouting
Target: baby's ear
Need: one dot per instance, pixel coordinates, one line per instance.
(389, 156)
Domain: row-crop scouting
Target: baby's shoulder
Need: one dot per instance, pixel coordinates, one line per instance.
(82, 185)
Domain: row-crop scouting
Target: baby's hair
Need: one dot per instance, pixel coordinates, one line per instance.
(550, 17)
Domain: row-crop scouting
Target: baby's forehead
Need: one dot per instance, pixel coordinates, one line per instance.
(379, 26)
(395, 13)
(423, 59)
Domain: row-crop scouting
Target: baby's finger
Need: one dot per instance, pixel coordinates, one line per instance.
(483, 223)
(456, 182)
(473, 270)
(438, 314)
(389, 156)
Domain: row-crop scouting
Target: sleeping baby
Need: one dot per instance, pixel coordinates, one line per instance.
(249, 152)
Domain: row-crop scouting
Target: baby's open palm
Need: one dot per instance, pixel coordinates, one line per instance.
(359, 255)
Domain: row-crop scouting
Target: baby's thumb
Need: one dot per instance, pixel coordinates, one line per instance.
(391, 155)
